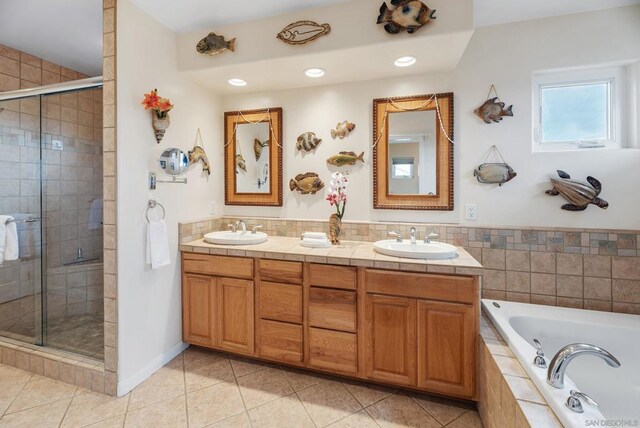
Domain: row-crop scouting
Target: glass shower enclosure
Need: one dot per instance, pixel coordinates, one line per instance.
(51, 285)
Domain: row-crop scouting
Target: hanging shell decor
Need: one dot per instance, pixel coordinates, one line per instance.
(301, 32)
(240, 163)
(198, 154)
(492, 110)
(494, 172)
(578, 193)
(213, 44)
(409, 16)
(258, 146)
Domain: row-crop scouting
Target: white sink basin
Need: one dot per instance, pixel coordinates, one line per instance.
(235, 238)
(419, 250)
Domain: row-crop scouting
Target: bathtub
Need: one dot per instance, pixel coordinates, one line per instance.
(617, 390)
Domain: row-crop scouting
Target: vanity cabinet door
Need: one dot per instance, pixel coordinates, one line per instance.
(446, 348)
(198, 309)
(235, 315)
(390, 339)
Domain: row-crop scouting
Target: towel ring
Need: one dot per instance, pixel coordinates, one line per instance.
(151, 205)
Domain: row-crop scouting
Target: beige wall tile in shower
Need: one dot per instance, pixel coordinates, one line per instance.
(518, 281)
(543, 283)
(493, 259)
(543, 262)
(625, 267)
(569, 264)
(518, 260)
(570, 286)
(597, 288)
(627, 291)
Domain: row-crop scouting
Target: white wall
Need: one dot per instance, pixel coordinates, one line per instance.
(149, 301)
(506, 56)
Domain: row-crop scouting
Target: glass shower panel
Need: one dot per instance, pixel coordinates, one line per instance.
(72, 194)
(20, 198)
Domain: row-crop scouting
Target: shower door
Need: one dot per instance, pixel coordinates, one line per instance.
(21, 198)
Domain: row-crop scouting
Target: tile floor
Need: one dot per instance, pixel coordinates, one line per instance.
(203, 388)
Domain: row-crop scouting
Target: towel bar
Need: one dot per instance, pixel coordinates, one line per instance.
(151, 204)
(29, 220)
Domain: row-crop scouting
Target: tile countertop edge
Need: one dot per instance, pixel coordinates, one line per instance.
(358, 253)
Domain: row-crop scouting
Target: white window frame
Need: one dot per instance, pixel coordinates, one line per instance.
(399, 162)
(613, 75)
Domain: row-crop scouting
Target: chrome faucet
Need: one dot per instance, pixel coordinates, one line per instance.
(427, 237)
(396, 235)
(240, 223)
(560, 361)
(412, 235)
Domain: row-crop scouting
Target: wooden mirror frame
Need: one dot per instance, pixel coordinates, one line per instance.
(443, 199)
(231, 120)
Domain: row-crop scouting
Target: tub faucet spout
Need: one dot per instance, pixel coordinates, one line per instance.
(560, 361)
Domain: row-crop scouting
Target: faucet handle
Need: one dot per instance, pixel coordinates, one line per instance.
(232, 227)
(395, 235)
(574, 403)
(539, 360)
(255, 228)
(433, 235)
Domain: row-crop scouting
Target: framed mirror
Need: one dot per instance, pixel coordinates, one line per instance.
(253, 157)
(173, 162)
(413, 154)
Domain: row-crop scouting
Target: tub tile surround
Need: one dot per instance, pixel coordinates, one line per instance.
(506, 395)
(579, 268)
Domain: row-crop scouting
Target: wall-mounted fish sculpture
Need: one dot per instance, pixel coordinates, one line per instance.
(258, 146)
(493, 110)
(343, 129)
(578, 193)
(345, 158)
(494, 173)
(409, 16)
(301, 32)
(198, 154)
(306, 183)
(213, 44)
(307, 141)
(241, 163)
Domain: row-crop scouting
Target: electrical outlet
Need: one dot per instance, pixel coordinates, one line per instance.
(471, 212)
(212, 208)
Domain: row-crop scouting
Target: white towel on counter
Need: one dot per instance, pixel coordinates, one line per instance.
(157, 244)
(315, 243)
(9, 248)
(314, 235)
(96, 214)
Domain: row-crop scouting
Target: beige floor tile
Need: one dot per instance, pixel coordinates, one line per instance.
(170, 413)
(444, 411)
(214, 403)
(193, 355)
(245, 366)
(39, 391)
(401, 411)
(263, 386)
(301, 379)
(367, 394)
(48, 415)
(89, 407)
(117, 422)
(11, 375)
(471, 419)
(357, 420)
(206, 372)
(286, 412)
(168, 382)
(328, 402)
(237, 421)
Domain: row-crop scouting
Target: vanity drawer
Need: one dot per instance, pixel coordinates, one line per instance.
(281, 302)
(280, 271)
(423, 286)
(333, 350)
(332, 276)
(281, 341)
(334, 309)
(233, 267)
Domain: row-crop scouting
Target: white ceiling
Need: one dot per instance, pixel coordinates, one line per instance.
(195, 15)
(65, 32)
(492, 12)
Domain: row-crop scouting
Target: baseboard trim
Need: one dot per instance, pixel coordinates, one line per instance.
(154, 365)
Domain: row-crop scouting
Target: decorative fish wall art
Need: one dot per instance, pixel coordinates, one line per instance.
(343, 129)
(307, 141)
(494, 172)
(258, 146)
(213, 44)
(301, 32)
(409, 16)
(578, 193)
(345, 158)
(306, 183)
(198, 154)
(492, 110)
(240, 163)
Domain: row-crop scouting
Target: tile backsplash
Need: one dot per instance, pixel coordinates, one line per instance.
(581, 268)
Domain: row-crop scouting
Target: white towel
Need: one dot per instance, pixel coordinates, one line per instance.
(315, 243)
(157, 244)
(9, 249)
(26, 235)
(95, 214)
(314, 235)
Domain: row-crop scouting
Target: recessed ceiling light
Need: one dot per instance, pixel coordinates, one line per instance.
(237, 82)
(314, 72)
(405, 61)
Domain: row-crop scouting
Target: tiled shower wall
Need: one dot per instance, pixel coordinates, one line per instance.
(581, 268)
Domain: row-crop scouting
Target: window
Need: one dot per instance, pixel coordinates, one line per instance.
(578, 109)
(402, 168)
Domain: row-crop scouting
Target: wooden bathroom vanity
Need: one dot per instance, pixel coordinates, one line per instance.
(415, 330)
